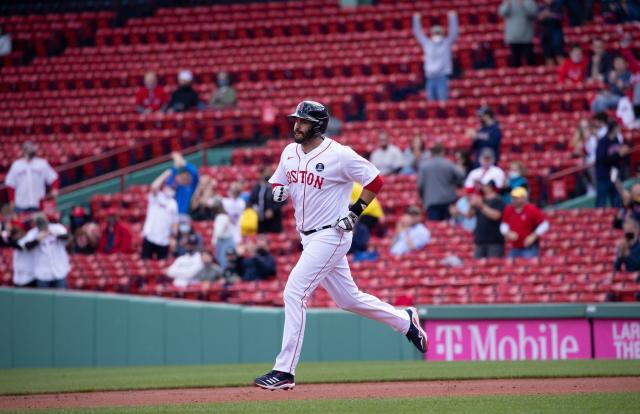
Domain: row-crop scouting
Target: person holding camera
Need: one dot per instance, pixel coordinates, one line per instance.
(628, 251)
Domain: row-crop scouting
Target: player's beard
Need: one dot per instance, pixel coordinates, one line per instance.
(302, 137)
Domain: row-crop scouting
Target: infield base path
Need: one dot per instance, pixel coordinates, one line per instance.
(411, 389)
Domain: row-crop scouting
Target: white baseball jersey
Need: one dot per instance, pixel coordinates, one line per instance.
(29, 179)
(50, 259)
(320, 182)
(23, 270)
(483, 176)
(162, 214)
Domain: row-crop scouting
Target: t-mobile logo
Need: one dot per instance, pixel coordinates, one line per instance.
(452, 341)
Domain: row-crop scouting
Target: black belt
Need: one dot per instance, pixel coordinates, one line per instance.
(308, 232)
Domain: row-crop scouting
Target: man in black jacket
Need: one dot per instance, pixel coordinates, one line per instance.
(269, 212)
(185, 97)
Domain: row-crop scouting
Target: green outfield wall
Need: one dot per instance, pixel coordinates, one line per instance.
(47, 328)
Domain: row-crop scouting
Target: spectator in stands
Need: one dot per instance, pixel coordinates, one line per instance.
(600, 62)
(28, 178)
(185, 269)
(78, 217)
(162, 216)
(373, 214)
(369, 219)
(628, 250)
(630, 206)
(334, 127)
(517, 179)
(523, 224)
(463, 158)
(487, 172)
(621, 11)
(438, 178)
(5, 43)
(184, 178)
(438, 63)
(519, 17)
(609, 166)
(83, 242)
(573, 69)
(225, 95)
(234, 205)
(411, 233)
(202, 200)
(413, 156)
(151, 97)
(115, 235)
(482, 56)
(551, 35)
(259, 263)
(184, 237)
(269, 212)
(634, 67)
(47, 241)
(184, 98)
(387, 157)
(224, 233)
(234, 264)
(489, 135)
(211, 271)
(618, 83)
(11, 232)
(487, 208)
(577, 11)
(584, 146)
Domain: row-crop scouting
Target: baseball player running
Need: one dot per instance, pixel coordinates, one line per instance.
(317, 173)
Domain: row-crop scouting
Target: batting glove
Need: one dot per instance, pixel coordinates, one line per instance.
(346, 224)
(280, 193)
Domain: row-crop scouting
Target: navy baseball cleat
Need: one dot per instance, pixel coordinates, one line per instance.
(416, 334)
(275, 380)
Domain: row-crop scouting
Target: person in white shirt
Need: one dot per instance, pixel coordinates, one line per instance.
(5, 43)
(22, 260)
(388, 158)
(224, 233)
(235, 205)
(486, 173)
(185, 268)
(28, 178)
(47, 244)
(162, 217)
(411, 233)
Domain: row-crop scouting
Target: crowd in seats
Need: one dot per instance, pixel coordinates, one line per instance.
(367, 66)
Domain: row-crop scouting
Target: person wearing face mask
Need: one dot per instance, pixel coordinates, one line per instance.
(184, 98)
(162, 216)
(487, 208)
(269, 212)
(115, 236)
(225, 95)
(438, 63)
(28, 178)
(516, 179)
(184, 178)
(185, 269)
(185, 236)
(487, 171)
(387, 157)
(628, 251)
(488, 136)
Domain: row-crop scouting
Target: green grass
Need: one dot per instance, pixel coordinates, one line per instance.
(31, 381)
(539, 404)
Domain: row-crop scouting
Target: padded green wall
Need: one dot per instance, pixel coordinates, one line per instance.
(40, 328)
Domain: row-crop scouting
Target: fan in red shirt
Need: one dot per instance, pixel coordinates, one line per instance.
(116, 236)
(573, 69)
(151, 97)
(523, 224)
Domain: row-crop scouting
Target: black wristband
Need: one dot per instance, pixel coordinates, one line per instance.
(358, 207)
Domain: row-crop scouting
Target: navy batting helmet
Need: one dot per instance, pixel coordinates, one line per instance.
(313, 112)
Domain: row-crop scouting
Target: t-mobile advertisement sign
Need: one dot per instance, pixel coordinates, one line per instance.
(498, 340)
(617, 338)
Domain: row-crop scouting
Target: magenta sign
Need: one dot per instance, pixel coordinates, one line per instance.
(498, 340)
(616, 338)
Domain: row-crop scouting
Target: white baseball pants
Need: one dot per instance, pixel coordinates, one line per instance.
(324, 262)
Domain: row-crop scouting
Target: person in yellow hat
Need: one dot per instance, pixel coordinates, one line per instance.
(523, 224)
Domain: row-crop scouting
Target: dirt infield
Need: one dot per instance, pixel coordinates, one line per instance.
(325, 391)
